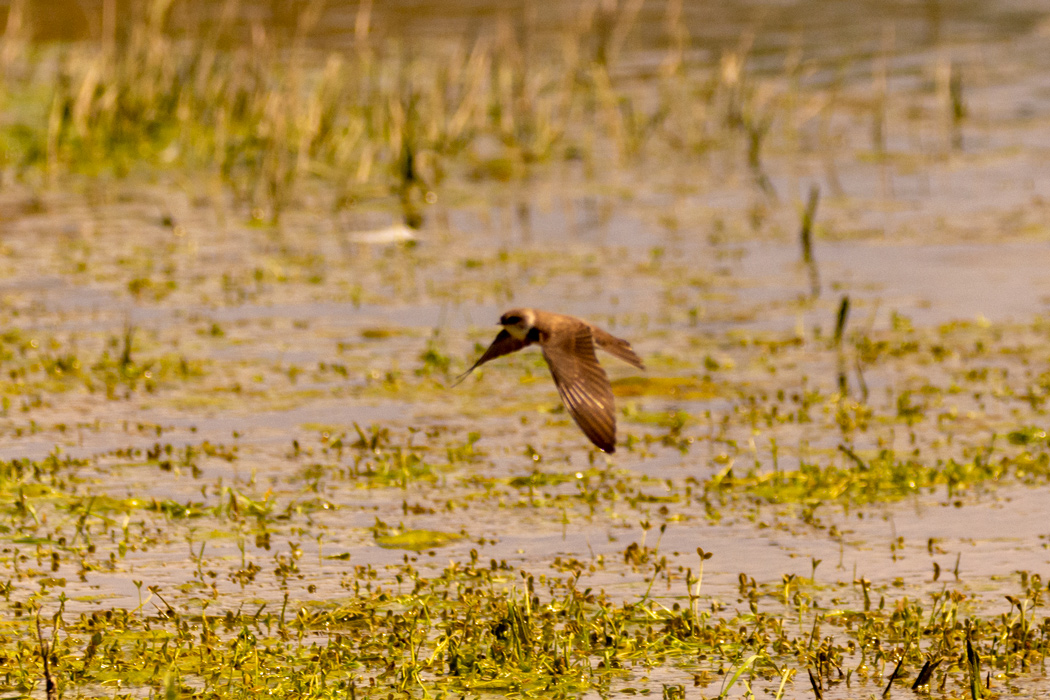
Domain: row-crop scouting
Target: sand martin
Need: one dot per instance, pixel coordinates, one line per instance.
(568, 347)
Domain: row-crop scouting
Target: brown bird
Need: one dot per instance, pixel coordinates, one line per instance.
(568, 347)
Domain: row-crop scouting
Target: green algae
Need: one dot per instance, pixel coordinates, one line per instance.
(416, 540)
(684, 388)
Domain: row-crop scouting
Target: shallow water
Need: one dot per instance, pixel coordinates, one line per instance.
(297, 336)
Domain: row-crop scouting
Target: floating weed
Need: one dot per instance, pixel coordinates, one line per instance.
(884, 475)
(477, 627)
(35, 364)
(379, 333)
(465, 451)
(683, 388)
(434, 361)
(413, 540)
(394, 467)
(539, 479)
(674, 420)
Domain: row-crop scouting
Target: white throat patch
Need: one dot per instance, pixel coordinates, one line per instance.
(517, 331)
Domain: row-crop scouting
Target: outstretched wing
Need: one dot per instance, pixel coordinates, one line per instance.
(618, 347)
(583, 386)
(504, 344)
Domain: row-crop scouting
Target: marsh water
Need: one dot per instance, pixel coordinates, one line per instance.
(223, 397)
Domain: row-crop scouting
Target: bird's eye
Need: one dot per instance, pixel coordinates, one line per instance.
(511, 320)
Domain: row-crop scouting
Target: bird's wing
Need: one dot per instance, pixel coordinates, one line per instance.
(617, 347)
(583, 386)
(504, 344)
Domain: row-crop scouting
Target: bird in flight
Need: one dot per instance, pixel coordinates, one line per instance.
(568, 345)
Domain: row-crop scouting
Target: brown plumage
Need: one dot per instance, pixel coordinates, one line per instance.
(568, 345)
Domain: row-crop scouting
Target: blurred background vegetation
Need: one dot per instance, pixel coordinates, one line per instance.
(400, 101)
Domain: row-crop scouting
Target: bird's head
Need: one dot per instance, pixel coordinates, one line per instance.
(518, 322)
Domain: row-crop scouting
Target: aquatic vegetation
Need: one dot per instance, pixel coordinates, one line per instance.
(480, 627)
(231, 465)
(684, 388)
(36, 364)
